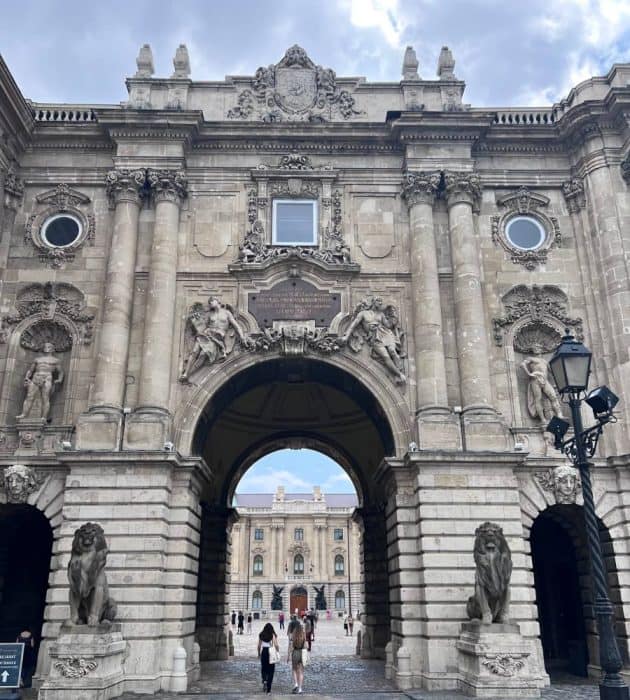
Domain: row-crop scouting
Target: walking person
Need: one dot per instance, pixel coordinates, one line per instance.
(233, 619)
(241, 621)
(295, 656)
(308, 631)
(345, 625)
(350, 623)
(281, 620)
(29, 659)
(268, 653)
(249, 623)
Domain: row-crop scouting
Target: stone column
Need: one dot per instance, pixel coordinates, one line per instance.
(149, 428)
(99, 428)
(437, 426)
(463, 192)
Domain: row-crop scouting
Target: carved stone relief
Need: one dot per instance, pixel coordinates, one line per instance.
(504, 664)
(563, 481)
(52, 302)
(19, 481)
(542, 304)
(44, 376)
(574, 195)
(75, 666)
(542, 398)
(295, 89)
(60, 200)
(524, 202)
(625, 169)
(13, 189)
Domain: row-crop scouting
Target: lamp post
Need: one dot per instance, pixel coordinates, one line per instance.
(570, 367)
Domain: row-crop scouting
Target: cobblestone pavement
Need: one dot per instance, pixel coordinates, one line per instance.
(335, 672)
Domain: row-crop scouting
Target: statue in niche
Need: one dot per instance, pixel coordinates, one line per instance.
(19, 482)
(564, 481)
(276, 597)
(215, 331)
(320, 598)
(43, 377)
(378, 326)
(542, 399)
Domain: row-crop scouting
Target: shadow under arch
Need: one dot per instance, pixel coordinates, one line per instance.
(256, 408)
(564, 593)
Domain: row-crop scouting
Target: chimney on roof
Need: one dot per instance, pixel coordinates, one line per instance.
(279, 494)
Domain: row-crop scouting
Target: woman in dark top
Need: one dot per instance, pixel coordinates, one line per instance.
(267, 639)
(296, 649)
(30, 657)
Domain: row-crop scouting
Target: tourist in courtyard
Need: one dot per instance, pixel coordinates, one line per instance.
(241, 621)
(292, 625)
(295, 656)
(350, 624)
(233, 618)
(268, 648)
(249, 623)
(308, 631)
(345, 625)
(281, 620)
(29, 659)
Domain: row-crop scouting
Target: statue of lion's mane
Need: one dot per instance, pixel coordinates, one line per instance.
(493, 562)
(89, 596)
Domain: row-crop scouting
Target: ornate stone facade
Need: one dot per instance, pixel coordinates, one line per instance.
(378, 271)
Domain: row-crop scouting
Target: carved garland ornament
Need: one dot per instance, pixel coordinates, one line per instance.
(524, 202)
(504, 664)
(75, 666)
(295, 89)
(61, 200)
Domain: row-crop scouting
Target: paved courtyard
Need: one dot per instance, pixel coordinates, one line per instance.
(334, 672)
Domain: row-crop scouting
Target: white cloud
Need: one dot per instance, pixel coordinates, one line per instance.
(383, 15)
(267, 481)
(335, 482)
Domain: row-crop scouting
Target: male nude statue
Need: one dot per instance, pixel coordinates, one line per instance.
(210, 330)
(42, 378)
(382, 335)
(540, 388)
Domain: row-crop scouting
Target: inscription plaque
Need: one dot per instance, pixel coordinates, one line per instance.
(293, 300)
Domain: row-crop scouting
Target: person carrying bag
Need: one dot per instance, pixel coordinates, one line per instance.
(269, 655)
(298, 656)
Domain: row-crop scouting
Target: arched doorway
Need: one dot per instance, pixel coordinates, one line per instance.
(564, 594)
(299, 599)
(25, 549)
(295, 403)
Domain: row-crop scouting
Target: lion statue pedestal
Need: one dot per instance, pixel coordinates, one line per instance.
(494, 660)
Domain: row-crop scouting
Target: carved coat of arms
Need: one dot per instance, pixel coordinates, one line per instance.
(296, 89)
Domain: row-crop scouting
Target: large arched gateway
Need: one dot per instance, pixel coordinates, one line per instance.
(378, 271)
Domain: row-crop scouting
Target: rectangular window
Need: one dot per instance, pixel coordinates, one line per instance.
(294, 222)
(338, 535)
(258, 533)
(299, 534)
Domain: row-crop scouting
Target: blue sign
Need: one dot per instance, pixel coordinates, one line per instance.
(10, 665)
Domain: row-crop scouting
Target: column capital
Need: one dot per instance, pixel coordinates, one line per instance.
(125, 185)
(462, 187)
(13, 190)
(573, 191)
(168, 185)
(420, 187)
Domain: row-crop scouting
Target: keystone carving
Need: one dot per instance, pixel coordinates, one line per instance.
(378, 326)
(295, 89)
(541, 304)
(573, 191)
(563, 481)
(20, 482)
(214, 332)
(52, 302)
(420, 187)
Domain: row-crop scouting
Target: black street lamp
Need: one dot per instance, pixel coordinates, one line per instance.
(571, 367)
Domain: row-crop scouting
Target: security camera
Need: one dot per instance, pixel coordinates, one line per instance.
(169, 446)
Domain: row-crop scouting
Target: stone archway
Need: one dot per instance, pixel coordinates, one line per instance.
(291, 402)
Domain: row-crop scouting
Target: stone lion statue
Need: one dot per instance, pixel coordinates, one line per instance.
(493, 561)
(89, 596)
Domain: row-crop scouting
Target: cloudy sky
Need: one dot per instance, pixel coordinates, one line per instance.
(298, 471)
(509, 53)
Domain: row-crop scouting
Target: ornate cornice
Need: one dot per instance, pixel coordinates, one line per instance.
(573, 191)
(168, 185)
(420, 187)
(462, 187)
(126, 185)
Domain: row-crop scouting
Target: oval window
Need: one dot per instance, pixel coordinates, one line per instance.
(525, 232)
(61, 230)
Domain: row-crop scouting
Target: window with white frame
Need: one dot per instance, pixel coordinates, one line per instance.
(257, 600)
(340, 600)
(294, 222)
(258, 533)
(339, 565)
(258, 565)
(338, 534)
(298, 565)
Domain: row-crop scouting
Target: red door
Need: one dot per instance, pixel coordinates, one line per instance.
(298, 599)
